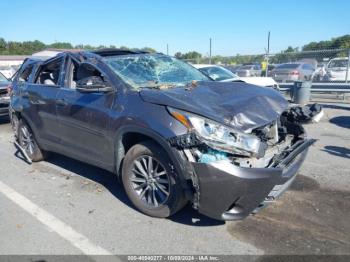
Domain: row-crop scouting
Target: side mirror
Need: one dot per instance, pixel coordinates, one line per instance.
(93, 84)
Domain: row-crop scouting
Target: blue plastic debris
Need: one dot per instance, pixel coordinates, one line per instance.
(211, 156)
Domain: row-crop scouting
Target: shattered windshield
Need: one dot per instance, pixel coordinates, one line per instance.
(153, 70)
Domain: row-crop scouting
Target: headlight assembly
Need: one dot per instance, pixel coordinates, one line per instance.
(218, 136)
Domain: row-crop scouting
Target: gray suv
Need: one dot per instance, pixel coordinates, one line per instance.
(167, 131)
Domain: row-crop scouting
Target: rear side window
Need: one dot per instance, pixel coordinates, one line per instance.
(288, 66)
(49, 73)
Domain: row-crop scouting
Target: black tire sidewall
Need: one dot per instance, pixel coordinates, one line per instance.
(176, 198)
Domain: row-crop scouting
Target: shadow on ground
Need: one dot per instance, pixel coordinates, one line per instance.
(307, 219)
(4, 120)
(342, 121)
(187, 215)
(339, 107)
(337, 151)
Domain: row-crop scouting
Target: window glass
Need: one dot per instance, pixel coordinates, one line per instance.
(338, 63)
(83, 74)
(287, 66)
(49, 73)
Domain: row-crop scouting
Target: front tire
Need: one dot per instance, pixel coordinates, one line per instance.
(151, 182)
(28, 142)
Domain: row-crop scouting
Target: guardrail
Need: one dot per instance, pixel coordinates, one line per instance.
(321, 87)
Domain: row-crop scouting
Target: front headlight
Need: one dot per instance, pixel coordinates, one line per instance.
(218, 136)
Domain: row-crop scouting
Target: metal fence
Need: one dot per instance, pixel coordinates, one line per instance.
(319, 66)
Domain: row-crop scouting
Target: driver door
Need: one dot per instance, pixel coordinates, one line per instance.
(84, 118)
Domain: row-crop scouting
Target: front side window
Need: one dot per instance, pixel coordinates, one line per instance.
(153, 70)
(338, 63)
(49, 73)
(81, 74)
(288, 66)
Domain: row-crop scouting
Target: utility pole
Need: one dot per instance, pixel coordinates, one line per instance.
(209, 50)
(167, 49)
(267, 55)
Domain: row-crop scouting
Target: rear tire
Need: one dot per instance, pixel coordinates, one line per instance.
(150, 182)
(27, 141)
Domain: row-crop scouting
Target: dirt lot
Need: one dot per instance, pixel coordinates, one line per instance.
(311, 218)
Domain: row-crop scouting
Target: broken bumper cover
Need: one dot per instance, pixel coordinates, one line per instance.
(229, 192)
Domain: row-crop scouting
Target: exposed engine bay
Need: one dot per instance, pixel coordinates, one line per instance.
(275, 141)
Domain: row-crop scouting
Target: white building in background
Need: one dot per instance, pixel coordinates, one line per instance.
(9, 64)
(51, 52)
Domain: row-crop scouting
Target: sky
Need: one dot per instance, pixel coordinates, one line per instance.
(235, 26)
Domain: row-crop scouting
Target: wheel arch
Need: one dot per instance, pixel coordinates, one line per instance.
(128, 136)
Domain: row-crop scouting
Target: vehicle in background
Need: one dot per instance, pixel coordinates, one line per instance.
(219, 73)
(232, 68)
(270, 68)
(320, 72)
(7, 71)
(336, 69)
(249, 70)
(293, 72)
(4, 95)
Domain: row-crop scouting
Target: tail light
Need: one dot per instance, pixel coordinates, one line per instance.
(294, 73)
(9, 89)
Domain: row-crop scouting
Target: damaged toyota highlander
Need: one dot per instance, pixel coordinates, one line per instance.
(167, 131)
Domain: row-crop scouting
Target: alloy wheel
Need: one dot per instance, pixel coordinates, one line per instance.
(27, 140)
(150, 181)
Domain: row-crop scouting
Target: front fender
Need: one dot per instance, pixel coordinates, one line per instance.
(178, 159)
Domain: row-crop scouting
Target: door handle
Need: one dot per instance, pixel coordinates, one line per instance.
(61, 102)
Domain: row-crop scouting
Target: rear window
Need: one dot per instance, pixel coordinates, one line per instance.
(287, 66)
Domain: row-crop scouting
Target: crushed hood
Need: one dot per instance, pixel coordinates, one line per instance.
(239, 105)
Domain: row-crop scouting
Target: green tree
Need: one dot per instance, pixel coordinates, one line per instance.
(61, 45)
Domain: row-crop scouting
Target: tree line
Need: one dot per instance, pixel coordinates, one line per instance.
(30, 47)
(335, 48)
(290, 54)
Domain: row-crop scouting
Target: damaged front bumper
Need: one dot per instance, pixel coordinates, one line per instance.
(229, 192)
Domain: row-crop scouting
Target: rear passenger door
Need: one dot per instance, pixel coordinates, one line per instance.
(40, 94)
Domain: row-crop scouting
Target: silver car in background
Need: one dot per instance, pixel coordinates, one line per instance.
(249, 70)
(290, 72)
